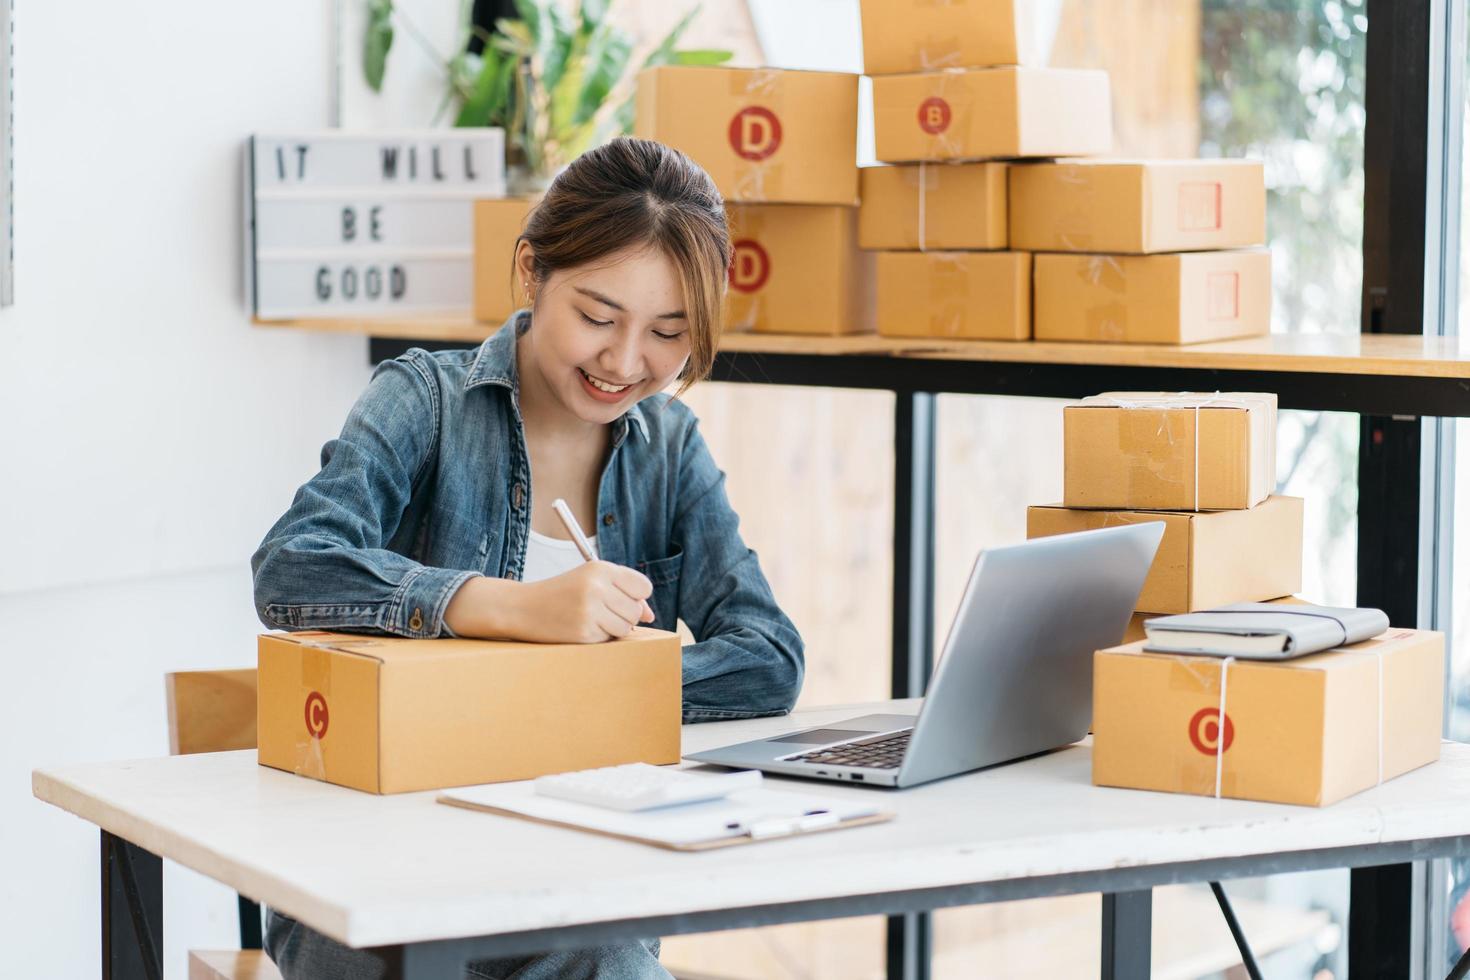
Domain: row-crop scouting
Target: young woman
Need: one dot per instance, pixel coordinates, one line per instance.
(432, 515)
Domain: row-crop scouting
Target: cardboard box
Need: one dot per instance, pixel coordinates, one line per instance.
(1305, 731)
(933, 205)
(1138, 206)
(498, 223)
(763, 134)
(1150, 450)
(1135, 632)
(922, 35)
(1180, 298)
(797, 269)
(974, 295)
(1208, 559)
(393, 715)
(981, 113)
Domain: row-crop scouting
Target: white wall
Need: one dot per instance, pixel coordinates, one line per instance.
(149, 435)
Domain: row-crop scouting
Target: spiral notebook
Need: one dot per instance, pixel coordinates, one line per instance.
(743, 817)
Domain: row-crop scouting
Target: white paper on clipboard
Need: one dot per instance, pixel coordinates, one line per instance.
(771, 814)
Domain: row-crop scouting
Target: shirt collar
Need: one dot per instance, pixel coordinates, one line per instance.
(495, 364)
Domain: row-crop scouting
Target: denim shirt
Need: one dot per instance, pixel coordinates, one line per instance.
(429, 484)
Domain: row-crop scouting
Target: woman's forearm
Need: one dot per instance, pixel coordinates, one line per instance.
(485, 608)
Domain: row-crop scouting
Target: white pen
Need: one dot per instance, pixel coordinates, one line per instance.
(575, 530)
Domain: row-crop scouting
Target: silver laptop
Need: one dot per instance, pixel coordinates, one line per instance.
(1015, 677)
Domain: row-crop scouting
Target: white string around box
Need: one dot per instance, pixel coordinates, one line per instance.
(1220, 735)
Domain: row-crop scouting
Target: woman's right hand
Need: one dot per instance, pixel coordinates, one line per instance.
(593, 602)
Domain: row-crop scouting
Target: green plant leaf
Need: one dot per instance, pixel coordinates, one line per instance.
(554, 46)
(708, 56)
(664, 53)
(514, 37)
(605, 64)
(485, 104)
(591, 14)
(377, 42)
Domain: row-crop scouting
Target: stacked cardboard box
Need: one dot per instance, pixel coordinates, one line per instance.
(954, 93)
(1156, 251)
(782, 148)
(1307, 731)
(1204, 465)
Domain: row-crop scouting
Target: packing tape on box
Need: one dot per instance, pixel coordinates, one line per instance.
(1185, 401)
(949, 294)
(1105, 321)
(747, 224)
(1071, 229)
(1222, 719)
(959, 115)
(758, 88)
(316, 681)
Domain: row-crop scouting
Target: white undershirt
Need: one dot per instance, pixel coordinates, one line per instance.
(548, 557)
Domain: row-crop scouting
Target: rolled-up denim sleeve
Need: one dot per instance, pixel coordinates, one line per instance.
(324, 564)
(747, 660)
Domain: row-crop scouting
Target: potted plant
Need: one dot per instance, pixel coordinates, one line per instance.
(557, 80)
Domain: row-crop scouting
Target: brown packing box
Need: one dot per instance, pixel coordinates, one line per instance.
(1302, 731)
(1138, 206)
(1180, 298)
(393, 715)
(1135, 631)
(984, 113)
(939, 205)
(498, 222)
(763, 134)
(973, 295)
(922, 35)
(1208, 559)
(797, 269)
(1149, 450)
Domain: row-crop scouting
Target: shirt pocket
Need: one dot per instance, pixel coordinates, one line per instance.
(663, 573)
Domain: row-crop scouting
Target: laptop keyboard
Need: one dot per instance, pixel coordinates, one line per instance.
(882, 752)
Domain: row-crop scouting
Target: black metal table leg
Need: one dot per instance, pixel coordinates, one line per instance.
(132, 911)
(1127, 935)
(913, 616)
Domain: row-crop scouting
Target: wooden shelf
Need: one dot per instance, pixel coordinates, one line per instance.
(1399, 355)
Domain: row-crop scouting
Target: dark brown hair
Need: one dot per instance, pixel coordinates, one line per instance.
(632, 192)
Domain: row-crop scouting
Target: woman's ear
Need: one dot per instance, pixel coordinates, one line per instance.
(525, 266)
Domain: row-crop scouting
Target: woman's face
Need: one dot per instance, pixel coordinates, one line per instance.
(608, 334)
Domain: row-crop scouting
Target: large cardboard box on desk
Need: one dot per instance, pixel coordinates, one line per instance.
(1206, 559)
(393, 715)
(762, 134)
(968, 295)
(937, 205)
(1160, 450)
(498, 223)
(1308, 731)
(987, 113)
(797, 269)
(922, 35)
(1178, 298)
(1138, 206)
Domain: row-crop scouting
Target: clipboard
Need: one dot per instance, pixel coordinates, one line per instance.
(683, 827)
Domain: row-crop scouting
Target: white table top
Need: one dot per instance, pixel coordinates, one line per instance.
(379, 870)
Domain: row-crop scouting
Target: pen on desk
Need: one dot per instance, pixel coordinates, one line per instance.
(575, 530)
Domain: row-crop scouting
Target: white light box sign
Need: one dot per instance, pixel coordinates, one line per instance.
(366, 223)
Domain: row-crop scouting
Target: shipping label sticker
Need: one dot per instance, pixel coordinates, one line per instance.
(755, 133)
(1204, 732)
(934, 115)
(1199, 206)
(1222, 296)
(750, 266)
